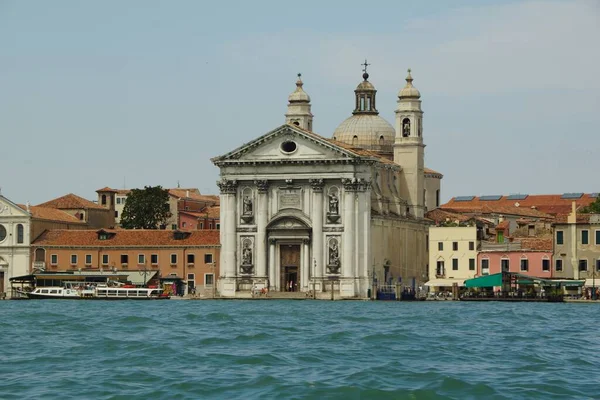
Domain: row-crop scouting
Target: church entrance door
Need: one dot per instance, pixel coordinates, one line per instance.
(290, 267)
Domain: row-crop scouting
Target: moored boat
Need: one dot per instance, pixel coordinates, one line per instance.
(100, 292)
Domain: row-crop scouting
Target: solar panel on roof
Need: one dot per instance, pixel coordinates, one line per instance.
(493, 197)
(464, 198)
(594, 195)
(571, 196)
(517, 197)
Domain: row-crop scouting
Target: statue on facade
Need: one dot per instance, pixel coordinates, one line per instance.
(247, 207)
(247, 254)
(333, 204)
(334, 257)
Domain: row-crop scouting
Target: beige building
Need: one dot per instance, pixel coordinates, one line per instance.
(577, 247)
(300, 211)
(452, 256)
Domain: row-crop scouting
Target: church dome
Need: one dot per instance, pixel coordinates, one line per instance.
(368, 131)
(409, 91)
(365, 128)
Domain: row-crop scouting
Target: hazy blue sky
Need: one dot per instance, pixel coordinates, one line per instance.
(98, 93)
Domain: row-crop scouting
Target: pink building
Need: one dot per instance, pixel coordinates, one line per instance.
(529, 257)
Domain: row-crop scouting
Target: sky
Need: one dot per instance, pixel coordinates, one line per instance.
(134, 93)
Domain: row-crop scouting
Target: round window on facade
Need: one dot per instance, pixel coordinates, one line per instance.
(289, 146)
(2, 233)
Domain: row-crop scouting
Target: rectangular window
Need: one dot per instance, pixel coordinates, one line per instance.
(88, 259)
(505, 264)
(455, 264)
(154, 259)
(218, 226)
(173, 227)
(173, 259)
(201, 225)
(524, 264)
(426, 242)
(440, 246)
(471, 264)
(597, 237)
(585, 237)
(104, 259)
(545, 265)
(73, 259)
(558, 265)
(439, 271)
(559, 237)
(116, 214)
(485, 266)
(54, 259)
(118, 200)
(455, 246)
(210, 225)
(141, 259)
(124, 259)
(191, 258)
(582, 265)
(597, 265)
(471, 246)
(209, 279)
(208, 258)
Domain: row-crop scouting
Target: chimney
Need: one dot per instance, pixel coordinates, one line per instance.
(572, 218)
(187, 193)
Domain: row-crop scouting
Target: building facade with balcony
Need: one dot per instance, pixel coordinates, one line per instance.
(527, 256)
(452, 256)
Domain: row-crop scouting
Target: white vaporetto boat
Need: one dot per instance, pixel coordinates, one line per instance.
(100, 292)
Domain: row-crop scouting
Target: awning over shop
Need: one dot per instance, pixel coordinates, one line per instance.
(445, 282)
(485, 281)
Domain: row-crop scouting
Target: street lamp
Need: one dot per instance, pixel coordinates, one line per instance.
(214, 269)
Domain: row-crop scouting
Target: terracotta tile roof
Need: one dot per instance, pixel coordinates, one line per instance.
(536, 244)
(439, 215)
(432, 172)
(106, 189)
(51, 214)
(71, 201)
(126, 237)
(207, 212)
(494, 209)
(581, 218)
(503, 225)
(546, 203)
(193, 195)
(123, 191)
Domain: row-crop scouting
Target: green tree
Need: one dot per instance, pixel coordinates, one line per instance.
(146, 208)
(593, 208)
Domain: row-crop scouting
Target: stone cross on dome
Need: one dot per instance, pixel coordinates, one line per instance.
(365, 74)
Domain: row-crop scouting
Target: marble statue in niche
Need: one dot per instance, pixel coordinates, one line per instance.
(333, 206)
(247, 265)
(333, 265)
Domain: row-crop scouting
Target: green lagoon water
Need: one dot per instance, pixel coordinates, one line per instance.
(298, 349)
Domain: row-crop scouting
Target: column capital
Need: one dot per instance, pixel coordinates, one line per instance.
(262, 185)
(317, 185)
(227, 186)
(356, 185)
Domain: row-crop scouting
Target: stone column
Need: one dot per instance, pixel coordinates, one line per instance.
(272, 264)
(261, 228)
(317, 219)
(306, 264)
(348, 259)
(228, 227)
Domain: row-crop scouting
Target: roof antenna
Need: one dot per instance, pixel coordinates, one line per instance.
(178, 185)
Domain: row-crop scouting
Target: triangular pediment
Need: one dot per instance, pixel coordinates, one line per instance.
(287, 143)
(8, 208)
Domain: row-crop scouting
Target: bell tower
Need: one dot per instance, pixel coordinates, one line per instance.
(409, 150)
(298, 112)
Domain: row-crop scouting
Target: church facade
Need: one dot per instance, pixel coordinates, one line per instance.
(302, 212)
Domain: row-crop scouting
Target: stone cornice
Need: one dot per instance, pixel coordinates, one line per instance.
(356, 185)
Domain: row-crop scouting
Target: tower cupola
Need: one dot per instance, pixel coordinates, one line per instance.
(298, 112)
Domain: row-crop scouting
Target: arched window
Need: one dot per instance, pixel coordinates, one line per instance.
(405, 127)
(296, 123)
(368, 103)
(20, 234)
(362, 104)
(381, 141)
(103, 199)
(355, 141)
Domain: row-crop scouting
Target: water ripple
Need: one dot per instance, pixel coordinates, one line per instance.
(297, 350)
